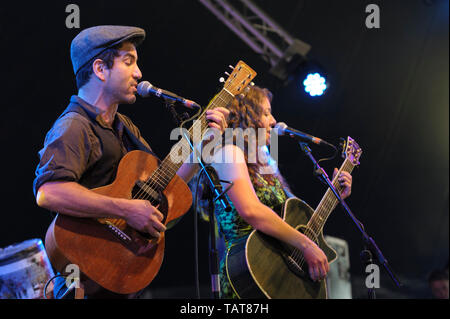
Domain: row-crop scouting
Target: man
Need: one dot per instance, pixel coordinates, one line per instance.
(86, 143)
(438, 282)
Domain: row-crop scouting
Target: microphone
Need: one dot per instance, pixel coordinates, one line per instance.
(282, 129)
(145, 88)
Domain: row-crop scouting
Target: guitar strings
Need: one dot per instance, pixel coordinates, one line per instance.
(313, 228)
(155, 180)
(322, 213)
(325, 207)
(161, 179)
(156, 177)
(167, 164)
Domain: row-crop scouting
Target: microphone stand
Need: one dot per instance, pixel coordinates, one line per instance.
(176, 117)
(370, 247)
(215, 189)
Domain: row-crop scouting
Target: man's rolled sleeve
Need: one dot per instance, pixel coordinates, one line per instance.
(66, 151)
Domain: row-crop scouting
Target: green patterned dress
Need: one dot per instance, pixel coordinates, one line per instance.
(233, 228)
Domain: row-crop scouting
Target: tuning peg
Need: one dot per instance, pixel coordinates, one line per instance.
(221, 80)
(231, 67)
(227, 73)
(252, 83)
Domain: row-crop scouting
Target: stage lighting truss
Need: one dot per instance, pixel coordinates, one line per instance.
(261, 33)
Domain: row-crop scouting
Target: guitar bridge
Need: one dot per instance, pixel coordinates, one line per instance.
(294, 266)
(120, 234)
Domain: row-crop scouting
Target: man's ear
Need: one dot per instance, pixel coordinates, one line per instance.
(99, 69)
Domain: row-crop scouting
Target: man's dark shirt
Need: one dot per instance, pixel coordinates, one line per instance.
(82, 148)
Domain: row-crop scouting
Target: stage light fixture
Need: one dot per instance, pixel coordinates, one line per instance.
(297, 67)
(314, 84)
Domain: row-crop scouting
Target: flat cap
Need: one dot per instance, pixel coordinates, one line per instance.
(91, 42)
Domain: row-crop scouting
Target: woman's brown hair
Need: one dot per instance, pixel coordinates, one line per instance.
(246, 112)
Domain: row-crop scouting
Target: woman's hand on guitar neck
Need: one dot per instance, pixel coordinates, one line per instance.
(345, 180)
(316, 260)
(144, 217)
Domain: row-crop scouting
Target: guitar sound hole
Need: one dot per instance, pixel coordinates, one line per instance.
(142, 190)
(298, 264)
(293, 261)
(294, 258)
(291, 258)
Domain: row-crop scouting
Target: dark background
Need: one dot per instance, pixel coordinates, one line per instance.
(389, 91)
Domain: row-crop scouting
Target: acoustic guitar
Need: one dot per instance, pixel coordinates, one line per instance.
(110, 252)
(264, 267)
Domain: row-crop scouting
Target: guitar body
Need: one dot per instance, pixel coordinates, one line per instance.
(260, 267)
(108, 251)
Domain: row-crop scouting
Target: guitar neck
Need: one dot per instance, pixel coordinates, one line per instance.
(329, 200)
(182, 149)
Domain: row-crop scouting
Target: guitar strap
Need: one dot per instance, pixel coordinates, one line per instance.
(134, 143)
(113, 148)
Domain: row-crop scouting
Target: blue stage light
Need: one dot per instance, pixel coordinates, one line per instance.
(315, 84)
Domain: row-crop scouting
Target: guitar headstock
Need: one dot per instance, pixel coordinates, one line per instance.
(239, 79)
(351, 151)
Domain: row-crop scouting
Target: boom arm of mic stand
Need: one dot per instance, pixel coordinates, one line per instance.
(367, 239)
(175, 116)
(219, 195)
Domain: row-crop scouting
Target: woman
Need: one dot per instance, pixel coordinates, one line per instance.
(256, 196)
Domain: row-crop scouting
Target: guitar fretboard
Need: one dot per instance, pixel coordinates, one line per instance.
(328, 202)
(162, 176)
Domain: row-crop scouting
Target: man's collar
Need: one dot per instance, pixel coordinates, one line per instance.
(92, 111)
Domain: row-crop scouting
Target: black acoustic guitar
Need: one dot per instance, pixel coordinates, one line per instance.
(264, 267)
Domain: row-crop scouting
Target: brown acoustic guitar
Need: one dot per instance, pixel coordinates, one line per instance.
(110, 252)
